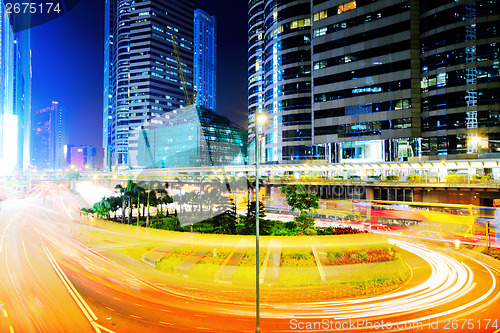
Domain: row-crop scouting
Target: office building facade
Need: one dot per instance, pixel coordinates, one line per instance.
(15, 96)
(279, 78)
(460, 79)
(83, 157)
(205, 59)
(49, 138)
(406, 80)
(366, 79)
(142, 78)
(191, 136)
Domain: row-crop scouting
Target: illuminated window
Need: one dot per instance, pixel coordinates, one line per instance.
(275, 15)
(300, 23)
(320, 15)
(320, 64)
(320, 32)
(346, 7)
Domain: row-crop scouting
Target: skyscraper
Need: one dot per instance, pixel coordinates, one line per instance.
(406, 79)
(399, 80)
(279, 80)
(49, 138)
(460, 79)
(15, 96)
(142, 78)
(366, 79)
(205, 59)
(83, 157)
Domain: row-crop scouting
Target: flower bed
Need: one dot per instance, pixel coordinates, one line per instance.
(349, 257)
(297, 257)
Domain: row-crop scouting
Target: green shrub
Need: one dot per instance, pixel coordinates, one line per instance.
(167, 223)
(168, 263)
(392, 177)
(413, 178)
(453, 177)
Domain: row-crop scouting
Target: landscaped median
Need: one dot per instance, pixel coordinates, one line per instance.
(336, 265)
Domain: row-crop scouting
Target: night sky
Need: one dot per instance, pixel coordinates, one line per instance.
(67, 64)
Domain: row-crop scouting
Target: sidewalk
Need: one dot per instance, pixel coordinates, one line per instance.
(492, 262)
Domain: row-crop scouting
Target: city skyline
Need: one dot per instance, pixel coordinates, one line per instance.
(71, 50)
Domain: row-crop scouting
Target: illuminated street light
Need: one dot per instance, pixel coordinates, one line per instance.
(260, 119)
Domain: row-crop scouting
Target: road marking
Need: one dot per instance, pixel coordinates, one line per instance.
(165, 323)
(98, 328)
(135, 316)
(87, 311)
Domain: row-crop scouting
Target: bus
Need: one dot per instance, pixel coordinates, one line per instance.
(426, 219)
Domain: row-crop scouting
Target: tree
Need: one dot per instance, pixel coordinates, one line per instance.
(300, 199)
(138, 191)
(122, 196)
(102, 208)
(226, 222)
(114, 203)
(304, 220)
(129, 196)
(252, 210)
(250, 221)
(251, 185)
(163, 198)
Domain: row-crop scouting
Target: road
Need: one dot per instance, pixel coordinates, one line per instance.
(51, 282)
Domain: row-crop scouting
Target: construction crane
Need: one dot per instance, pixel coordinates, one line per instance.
(189, 99)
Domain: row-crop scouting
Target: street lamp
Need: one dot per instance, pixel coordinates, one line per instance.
(260, 119)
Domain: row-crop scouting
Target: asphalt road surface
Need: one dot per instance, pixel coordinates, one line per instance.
(50, 282)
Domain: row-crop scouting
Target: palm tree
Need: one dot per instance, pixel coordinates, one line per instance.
(122, 191)
(114, 203)
(129, 196)
(139, 191)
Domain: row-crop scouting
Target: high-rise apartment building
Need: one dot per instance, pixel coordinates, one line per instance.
(49, 138)
(142, 78)
(279, 78)
(15, 96)
(205, 59)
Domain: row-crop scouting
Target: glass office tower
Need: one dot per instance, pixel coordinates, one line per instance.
(279, 78)
(406, 80)
(142, 79)
(205, 59)
(49, 137)
(15, 96)
(192, 136)
(460, 79)
(367, 79)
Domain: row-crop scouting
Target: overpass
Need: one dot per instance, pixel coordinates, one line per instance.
(454, 181)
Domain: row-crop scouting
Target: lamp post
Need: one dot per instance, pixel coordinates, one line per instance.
(261, 119)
